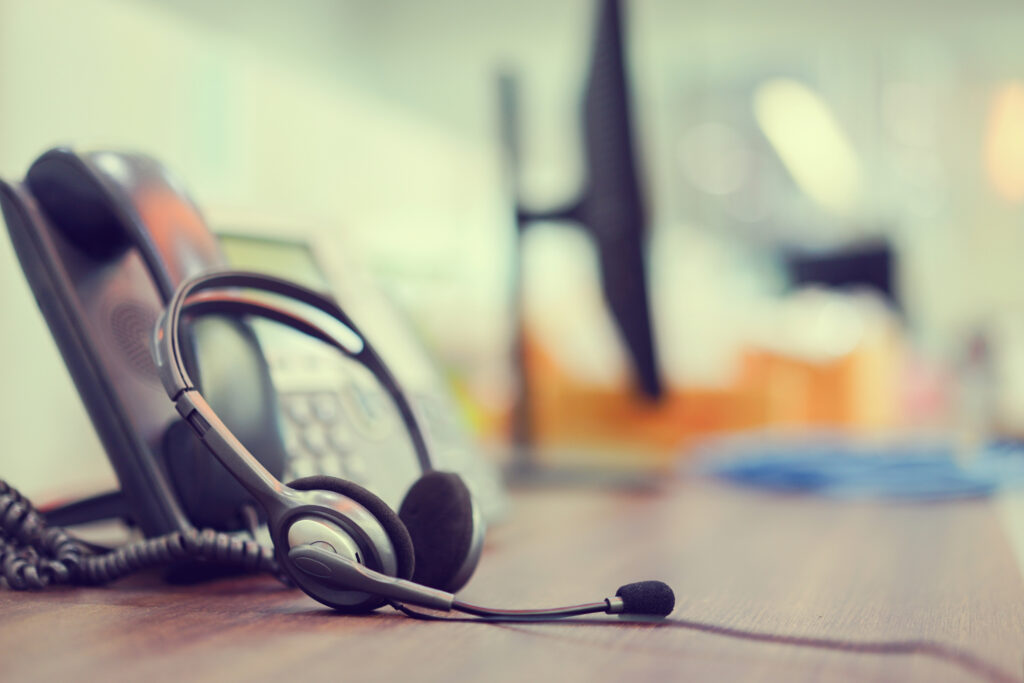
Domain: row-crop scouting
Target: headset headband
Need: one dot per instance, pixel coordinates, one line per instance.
(166, 350)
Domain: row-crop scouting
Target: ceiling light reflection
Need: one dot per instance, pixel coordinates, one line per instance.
(813, 147)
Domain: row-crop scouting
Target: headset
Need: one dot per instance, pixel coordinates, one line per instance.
(337, 541)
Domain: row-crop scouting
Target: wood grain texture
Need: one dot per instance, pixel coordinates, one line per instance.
(769, 588)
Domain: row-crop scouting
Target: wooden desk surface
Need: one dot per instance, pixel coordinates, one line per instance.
(768, 588)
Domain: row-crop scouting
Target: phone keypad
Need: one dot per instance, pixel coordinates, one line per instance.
(337, 421)
(318, 439)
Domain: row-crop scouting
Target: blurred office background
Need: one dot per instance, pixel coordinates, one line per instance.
(776, 139)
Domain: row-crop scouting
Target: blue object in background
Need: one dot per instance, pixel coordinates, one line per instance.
(844, 468)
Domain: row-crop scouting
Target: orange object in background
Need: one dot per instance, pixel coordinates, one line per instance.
(858, 390)
(790, 392)
(574, 424)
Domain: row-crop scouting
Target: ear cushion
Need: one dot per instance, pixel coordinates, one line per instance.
(438, 512)
(396, 531)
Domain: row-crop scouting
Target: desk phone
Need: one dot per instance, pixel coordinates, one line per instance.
(104, 239)
(335, 418)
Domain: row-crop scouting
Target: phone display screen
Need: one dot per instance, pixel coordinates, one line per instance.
(283, 258)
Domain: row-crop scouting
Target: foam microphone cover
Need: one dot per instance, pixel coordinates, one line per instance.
(647, 597)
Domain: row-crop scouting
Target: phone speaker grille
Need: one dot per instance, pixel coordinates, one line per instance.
(131, 323)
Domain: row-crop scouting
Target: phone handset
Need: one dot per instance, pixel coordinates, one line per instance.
(112, 202)
(124, 234)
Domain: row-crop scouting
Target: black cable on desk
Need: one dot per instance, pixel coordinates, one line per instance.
(484, 614)
(34, 555)
(539, 614)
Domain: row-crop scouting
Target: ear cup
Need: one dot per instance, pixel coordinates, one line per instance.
(438, 512)
(399, 535)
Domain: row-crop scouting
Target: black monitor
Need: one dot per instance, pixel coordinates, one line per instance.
(867, 265)
(611, 206)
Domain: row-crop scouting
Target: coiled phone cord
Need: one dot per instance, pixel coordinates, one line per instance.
(35, 555)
